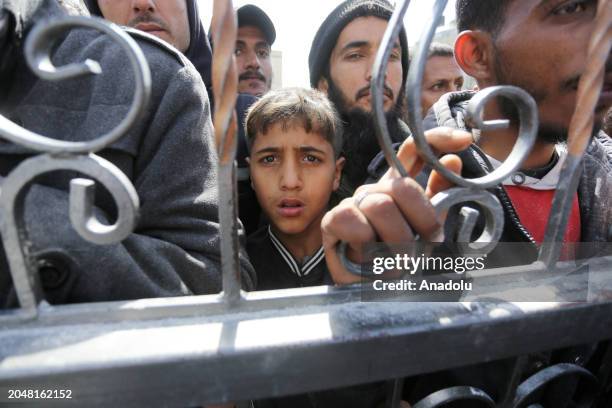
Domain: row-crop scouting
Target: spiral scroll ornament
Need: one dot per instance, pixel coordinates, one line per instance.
(468, 190)
(73, 156)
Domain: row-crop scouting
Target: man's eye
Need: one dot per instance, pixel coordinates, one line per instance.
(571, 8)
(437, 86)
(395, 56)
(237, 52)
(353, 56)
(263, 53)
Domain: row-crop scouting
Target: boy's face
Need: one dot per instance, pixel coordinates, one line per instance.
(293, 174)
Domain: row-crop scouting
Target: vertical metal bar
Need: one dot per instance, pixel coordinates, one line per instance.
(394, 393)
(604, 373)
(225, 89)
(580, 131)
(515, 380)
(378, 81)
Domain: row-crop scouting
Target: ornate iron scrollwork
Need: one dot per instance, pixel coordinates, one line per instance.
(470, 190)
(529, 394)
(448, 395)
(76, 156)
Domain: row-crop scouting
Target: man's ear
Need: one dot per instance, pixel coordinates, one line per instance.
(338, 172)
(323, 86)
(474, 54)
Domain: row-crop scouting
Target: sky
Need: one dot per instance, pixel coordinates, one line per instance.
(296, 23)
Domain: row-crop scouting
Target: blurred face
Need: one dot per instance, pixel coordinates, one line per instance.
(166, 19)
(350, 65)
(442, 75)
(542, 48)
(293, 174)
(253, 61)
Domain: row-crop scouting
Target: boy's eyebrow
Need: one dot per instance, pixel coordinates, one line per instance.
(307, 149)
(302, 149)
(271, 149)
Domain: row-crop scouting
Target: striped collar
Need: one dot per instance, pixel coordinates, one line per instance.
(295, 267)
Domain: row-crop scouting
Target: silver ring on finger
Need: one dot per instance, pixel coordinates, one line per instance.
(359, 197)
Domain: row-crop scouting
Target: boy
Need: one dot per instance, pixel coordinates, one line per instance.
(294, 139)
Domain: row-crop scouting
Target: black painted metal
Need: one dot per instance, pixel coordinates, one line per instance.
(207, 349)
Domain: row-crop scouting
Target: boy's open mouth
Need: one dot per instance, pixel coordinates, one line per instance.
(290, 207)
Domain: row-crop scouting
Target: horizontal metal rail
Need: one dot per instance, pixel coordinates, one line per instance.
(279, 345)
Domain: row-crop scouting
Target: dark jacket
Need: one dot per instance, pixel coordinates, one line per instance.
(168, 156)
(276, 268)
(349, 183)
(200, 55)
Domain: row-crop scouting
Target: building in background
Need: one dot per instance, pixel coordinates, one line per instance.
(277, 69)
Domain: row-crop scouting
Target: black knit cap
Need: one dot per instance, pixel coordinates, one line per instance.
(327, 35)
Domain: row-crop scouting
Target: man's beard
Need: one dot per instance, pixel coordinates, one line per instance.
(548, 133)
(360, 144)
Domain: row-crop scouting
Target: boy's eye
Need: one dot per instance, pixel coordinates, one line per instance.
(311, 159)
(268, 159)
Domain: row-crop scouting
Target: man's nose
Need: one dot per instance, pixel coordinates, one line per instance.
(252, 61)
(369, 66)
(141, 6)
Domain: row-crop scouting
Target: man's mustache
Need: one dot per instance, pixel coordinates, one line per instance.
(147, 17)
(250, 75)
(366, 92)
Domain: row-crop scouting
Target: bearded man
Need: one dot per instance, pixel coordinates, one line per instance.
(340, 62)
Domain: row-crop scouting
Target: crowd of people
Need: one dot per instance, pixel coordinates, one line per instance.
(311, 174)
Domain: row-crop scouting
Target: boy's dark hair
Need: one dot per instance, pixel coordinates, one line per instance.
(485, 15)
(307, 108)
(440, 50)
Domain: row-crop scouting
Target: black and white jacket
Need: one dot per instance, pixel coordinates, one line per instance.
(276, 268)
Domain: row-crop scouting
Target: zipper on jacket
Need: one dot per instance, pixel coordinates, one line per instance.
(503, 196)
